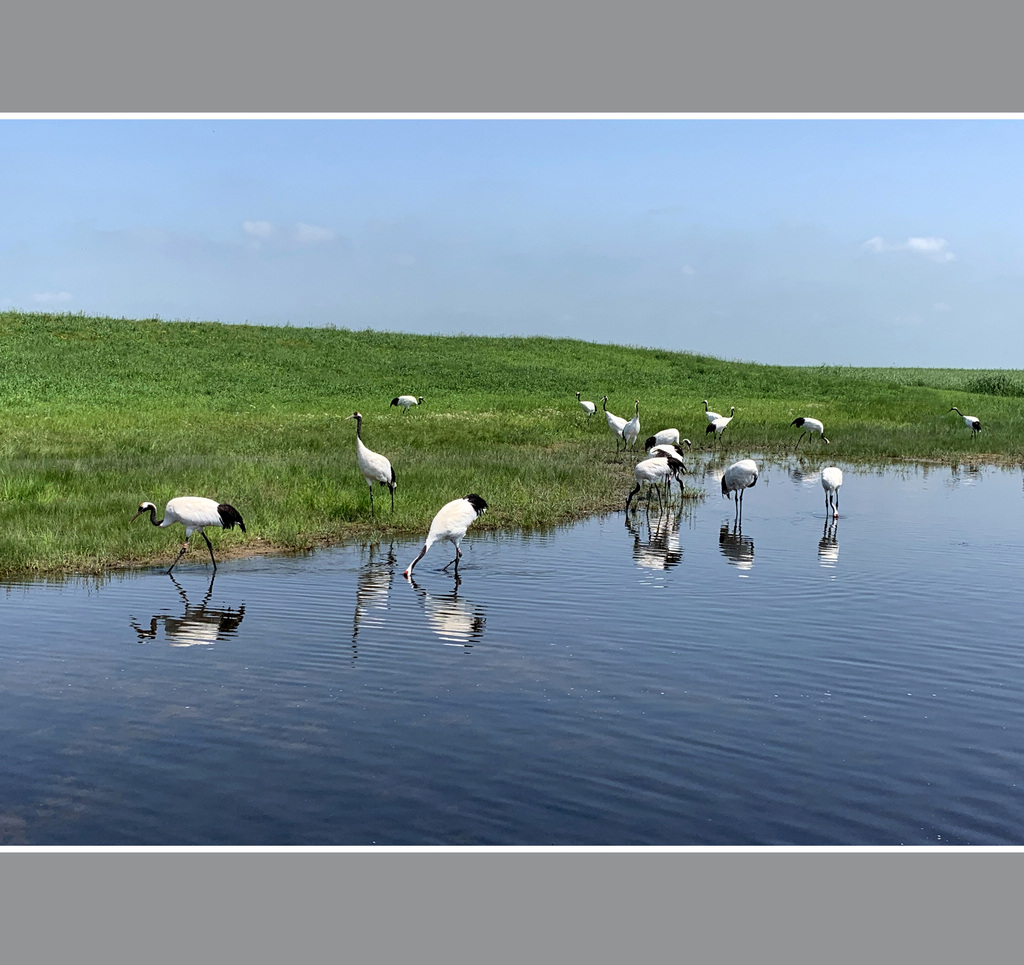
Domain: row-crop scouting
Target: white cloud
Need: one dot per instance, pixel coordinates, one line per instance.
(312, 234)
(932, 248)
(50, 298)
(688, 270)
(258, 229)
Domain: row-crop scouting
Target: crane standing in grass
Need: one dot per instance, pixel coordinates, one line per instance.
(809, 426)
(373, 466)
(587, 407)
(407, 400)
(615, 423)
(972, 422)
(719, 424)
(632, 428)
(195, 513)
(450, 523)
(711, 416)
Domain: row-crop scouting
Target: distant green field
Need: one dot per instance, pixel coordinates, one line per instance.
(101, 413)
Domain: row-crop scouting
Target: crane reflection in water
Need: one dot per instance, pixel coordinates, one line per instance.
(828, 545)
(656, 543)
(456, 620)
(734, 546)
(373, 587)
(200, 624)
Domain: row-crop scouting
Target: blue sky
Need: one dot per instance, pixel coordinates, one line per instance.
(793, 241)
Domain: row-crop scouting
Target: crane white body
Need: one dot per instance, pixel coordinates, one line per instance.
(405, 401)
(374, 467)
(662, 437)
(450, 523)
(711, 416)
(809, 426)
(717, 426)
(195, 513)
(660, 469)
(738, 478)
(587, 407)
(831, 480)
(632, 428)
(615, 423)
(668, 449)
(972, 422)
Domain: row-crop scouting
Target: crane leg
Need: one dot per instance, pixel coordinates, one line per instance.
(181, 553)
(458, 553)
(392, 498)
(371, 499)
(210, 547)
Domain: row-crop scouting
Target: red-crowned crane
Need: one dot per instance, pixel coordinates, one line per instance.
(450, 523)
(373, 466)
(739, 477)
(831, 480)
(195, 513)
(718, 426)
(587, 407)
(669, 450)
(632, 428)
(407, 400)
(660, 469)
(662, 437)
(809, 426)
(615, 423)
(711, 416)
(972, 422)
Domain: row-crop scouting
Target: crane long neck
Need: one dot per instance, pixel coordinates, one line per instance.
(152, 516)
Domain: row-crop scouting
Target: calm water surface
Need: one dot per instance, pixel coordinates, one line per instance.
(674, 679)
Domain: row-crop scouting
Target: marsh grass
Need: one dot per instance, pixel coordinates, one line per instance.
(101, 413)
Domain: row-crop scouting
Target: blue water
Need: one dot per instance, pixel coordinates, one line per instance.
(677, 678)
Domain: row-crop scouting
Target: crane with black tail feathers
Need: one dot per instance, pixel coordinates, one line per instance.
(450, 523)
(972, 422)
(195, 513)
(739, 477)
(373, 466)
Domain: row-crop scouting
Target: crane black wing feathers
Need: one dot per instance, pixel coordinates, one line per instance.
(394, 401)
(230, 517)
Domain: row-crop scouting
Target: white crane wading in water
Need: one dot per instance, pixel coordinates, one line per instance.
(831, 480)
(450, 523)
(195, 513)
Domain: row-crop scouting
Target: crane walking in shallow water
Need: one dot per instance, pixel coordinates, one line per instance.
(195, 513)
(450, 523)
(972, 422)
(660, 469)
(831, 480)
(373, 466)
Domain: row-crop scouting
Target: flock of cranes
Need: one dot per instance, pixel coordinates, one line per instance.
(663, 465)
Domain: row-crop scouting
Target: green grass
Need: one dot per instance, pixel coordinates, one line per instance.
(101, 413)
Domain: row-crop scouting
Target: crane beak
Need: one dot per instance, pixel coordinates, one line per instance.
(135, 517)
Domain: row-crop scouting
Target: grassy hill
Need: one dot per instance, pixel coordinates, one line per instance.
(101, 413)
